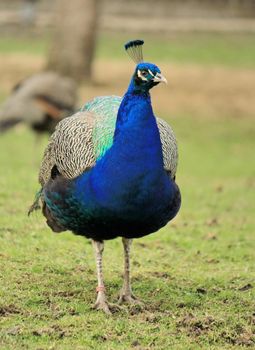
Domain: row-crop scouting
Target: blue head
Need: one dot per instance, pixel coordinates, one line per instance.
(146, 74)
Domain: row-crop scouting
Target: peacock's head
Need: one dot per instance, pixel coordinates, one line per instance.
(146, 74)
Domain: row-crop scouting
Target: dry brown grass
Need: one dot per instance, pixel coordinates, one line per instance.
(194, 90)
(14, 67)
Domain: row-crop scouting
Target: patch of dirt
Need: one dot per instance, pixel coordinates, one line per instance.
(252, 319)
(212, 261)
(7, 229)
(210, 236)
(195, 326)
(201, 290)
(212, 222)
(56, 331)
(66, 293)
(135, 343)
(219, 188)
(246, 338)
(164, 275)
(154, 306)
(152, 318)
(6, 310)
(100, 338)
(14, 330)
(136, 309)
(142, 245)
(82, 269)
(246, 287)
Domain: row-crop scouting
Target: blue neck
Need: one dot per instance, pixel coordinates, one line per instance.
(132, 169)
(135, 112)
(135, 158)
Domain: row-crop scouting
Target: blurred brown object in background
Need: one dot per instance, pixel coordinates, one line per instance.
(39, 101)
(73, 44)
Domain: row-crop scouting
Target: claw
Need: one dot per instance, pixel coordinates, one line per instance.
(108, 308)
(129, 298)
(102, 305)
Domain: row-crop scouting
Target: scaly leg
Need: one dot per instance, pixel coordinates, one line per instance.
(101, 303)
(126, 294)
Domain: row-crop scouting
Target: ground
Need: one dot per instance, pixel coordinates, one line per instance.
(196, 275)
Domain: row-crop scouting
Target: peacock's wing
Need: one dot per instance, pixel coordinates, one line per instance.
(81, 139)
(105, 108)
(169, 147)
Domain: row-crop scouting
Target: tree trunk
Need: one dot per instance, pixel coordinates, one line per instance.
(73, 44)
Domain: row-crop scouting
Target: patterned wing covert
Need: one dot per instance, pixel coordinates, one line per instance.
(81, 139)
(70, 147)
(105, 108)
(169, 146)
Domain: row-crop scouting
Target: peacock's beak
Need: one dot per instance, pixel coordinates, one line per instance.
(159, 78)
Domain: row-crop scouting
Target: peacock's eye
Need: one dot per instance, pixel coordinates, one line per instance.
(144, 73)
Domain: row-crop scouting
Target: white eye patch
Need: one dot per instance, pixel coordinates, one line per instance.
(139, 74)
(151, 73)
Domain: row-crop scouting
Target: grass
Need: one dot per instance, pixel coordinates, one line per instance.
(23, 45)
(226, 49)
(196, 275)
(232, 50)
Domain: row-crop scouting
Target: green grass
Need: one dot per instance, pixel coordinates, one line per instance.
(23, 45)
(191, 275)
(196, 276)
(234, 50)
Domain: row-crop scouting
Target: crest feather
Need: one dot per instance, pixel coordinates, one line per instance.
(134, 50)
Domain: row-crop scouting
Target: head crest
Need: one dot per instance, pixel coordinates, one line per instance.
(134, 50)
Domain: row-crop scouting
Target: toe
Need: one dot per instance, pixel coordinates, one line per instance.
(102, 306)
(129, 298)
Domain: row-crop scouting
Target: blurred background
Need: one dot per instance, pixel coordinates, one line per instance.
(205, 48)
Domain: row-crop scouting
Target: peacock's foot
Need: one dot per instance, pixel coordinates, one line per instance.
(129, 298)
(102, 304)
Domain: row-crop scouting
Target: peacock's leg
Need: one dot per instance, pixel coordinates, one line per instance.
(101, 303)
(126, 294)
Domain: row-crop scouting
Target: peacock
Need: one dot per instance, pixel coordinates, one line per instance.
(109, 170)
(40, 101)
